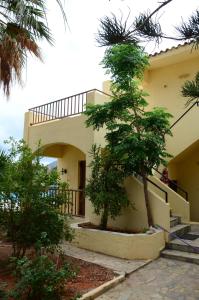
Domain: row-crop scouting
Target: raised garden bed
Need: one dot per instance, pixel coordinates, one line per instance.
(121, 244)
(89, 275)
(90, 225)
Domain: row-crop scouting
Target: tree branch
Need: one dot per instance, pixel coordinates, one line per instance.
(154, 12)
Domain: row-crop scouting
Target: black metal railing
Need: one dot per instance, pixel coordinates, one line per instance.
(194, 104)
(158, 187)
(173, 234)
(69, 202)
(72, 201)
(140, 178)
(62, 108)
(173, 185)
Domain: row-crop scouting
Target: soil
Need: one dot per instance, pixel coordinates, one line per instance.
(90, 225)
(89, 275)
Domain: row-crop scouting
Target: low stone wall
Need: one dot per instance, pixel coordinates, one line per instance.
(129, 246)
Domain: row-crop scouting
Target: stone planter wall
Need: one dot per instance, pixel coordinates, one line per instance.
(129, 246)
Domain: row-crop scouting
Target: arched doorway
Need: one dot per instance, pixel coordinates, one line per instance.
(71, 165)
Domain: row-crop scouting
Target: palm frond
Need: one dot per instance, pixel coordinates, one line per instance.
(15, 43)
(147, 28)
(22, 24)
(190, 90)
(114, 30)
(190, 30)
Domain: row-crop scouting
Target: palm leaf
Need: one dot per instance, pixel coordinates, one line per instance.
(114, 31)
(22, 24)
(190, 90)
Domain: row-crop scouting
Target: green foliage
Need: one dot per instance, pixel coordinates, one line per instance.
(124, 62)
(135, 135)
(3, 293)
(190, 90)
(40, 279)
(104, 188)
(27, 211)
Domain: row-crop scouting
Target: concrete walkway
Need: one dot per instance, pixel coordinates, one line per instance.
(119, 265)
(163, 279)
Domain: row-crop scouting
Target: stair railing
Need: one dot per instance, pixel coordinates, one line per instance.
(177, 237)
(139, 177)
(195, 103)
(174, 183)
(161, 189)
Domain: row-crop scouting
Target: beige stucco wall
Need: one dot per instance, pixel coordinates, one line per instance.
(187, 175)
(129, 246)
(69, 130)
(163, 81)
(179, 206)
(130, 219)
(160, 211)
(184, 133)
(164, 85)
(135, 217)
(70, 161)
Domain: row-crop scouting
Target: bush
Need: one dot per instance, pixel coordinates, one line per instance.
(27, 210)
(40, 279)
(3, 293)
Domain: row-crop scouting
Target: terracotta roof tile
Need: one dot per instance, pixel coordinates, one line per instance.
(169, 49)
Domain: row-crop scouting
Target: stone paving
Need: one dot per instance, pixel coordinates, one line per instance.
(117, 264)
(162, 279)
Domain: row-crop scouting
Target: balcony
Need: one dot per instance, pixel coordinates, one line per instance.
(67, 107)
(62, 122)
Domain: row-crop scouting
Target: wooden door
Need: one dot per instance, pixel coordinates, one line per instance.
(82, 182)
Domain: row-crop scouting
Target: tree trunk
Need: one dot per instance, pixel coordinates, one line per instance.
(104, 218)
(146, 196)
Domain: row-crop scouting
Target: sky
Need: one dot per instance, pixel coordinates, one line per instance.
(72, 65)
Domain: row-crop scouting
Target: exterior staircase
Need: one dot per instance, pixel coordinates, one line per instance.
(183, 244)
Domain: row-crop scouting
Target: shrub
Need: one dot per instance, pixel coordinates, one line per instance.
(40, 279)
(27, 210)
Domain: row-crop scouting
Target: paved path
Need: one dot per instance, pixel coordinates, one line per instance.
(117, 264)
(163, 279)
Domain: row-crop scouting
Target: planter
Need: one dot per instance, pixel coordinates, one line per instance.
(123, 245)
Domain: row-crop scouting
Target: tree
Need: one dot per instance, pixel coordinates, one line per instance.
(26, 213)
(135, 136)
(105, 186)
(22, 24)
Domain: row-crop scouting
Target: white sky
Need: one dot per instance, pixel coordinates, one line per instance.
(72, 65)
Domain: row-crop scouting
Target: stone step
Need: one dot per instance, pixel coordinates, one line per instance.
(178, 230)
(180, 255)
(181, 246)
(175, 221)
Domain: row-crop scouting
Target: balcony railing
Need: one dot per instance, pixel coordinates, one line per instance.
(68, 202)
(72, 201)
(62, 108)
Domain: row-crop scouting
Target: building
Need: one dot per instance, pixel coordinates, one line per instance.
(60, 125)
